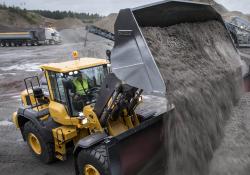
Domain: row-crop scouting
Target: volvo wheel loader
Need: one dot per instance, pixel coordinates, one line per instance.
(104, 114)
(116, 125)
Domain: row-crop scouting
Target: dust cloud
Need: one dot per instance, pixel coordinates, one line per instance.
(202, 72)
(90, 45)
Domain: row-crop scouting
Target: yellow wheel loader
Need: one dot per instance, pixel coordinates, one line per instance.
(63, 118)
(115, 122)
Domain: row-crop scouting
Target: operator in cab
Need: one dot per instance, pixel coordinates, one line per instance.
(81, 96)
(81, 84)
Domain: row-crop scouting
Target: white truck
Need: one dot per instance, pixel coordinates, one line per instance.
(28, 37)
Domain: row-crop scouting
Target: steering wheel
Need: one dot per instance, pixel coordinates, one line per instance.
(94, 89)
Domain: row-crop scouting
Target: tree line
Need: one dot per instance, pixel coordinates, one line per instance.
(63, 14)
(85, 17)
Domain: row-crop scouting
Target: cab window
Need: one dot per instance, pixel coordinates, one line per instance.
(57, 87)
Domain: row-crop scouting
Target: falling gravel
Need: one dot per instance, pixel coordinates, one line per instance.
(202, 72)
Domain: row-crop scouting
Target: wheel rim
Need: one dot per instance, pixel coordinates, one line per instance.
(34, 143)
(90, 170)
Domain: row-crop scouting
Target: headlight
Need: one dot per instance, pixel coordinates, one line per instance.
(80, 114)
(84, 121)
(140, 99)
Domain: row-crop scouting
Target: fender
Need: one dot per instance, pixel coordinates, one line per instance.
(26, 114)
(90, 141)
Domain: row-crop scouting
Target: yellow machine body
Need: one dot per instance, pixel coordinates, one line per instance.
(72, 129)
(81, 63)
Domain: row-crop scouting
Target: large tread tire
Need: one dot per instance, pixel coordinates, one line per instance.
(47, 149)
(97, 157)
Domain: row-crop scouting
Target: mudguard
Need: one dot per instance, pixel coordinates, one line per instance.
(25, 114)
(90, 141)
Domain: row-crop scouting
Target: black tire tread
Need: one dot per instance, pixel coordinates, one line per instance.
(47, 147)
(99, 153)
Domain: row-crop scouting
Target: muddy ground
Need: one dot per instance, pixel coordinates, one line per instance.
(232, 157)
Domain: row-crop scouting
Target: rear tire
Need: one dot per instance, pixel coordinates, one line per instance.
(7, 44)
(12, 44)
(40, 147)
(35, 43)
(94, 159)
(52, 42)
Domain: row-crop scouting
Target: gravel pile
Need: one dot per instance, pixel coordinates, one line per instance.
(202, 73)
(107, 23)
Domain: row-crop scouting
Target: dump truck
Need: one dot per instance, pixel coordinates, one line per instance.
(116, 124)
(29, 37)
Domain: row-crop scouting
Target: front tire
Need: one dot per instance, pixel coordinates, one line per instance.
(93, 161)
(37, 144)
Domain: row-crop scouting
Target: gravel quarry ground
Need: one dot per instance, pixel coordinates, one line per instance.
(231, 157)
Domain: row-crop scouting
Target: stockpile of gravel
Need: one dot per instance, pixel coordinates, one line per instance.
(202, 73)
(107, 22)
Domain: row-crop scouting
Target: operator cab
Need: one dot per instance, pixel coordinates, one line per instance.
(65, 79)
(65, 88)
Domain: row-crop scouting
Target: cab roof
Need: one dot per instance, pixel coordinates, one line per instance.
(73, 65)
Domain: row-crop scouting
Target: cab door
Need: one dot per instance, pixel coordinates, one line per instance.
(59, 108)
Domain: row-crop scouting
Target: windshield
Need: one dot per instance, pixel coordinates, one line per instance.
(85, 85)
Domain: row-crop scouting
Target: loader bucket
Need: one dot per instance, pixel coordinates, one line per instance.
(131, 58)
(130, 152)
(133, 63)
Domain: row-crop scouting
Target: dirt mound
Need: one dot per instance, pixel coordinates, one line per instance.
(68, 23)
(107, 23)
(202, 73)
(229, 15)
(10, 19)
(220, 8)
(13, 21)
(226, 14)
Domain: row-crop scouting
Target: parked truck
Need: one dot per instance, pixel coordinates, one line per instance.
(29, 37)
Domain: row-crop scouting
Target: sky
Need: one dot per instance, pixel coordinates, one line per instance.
(105, 7)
